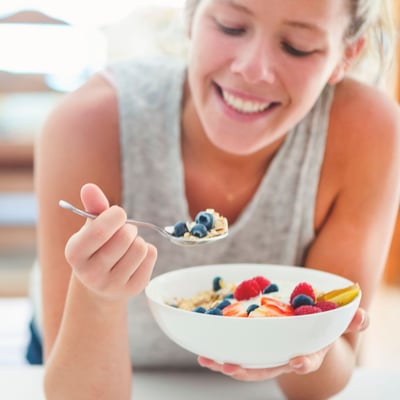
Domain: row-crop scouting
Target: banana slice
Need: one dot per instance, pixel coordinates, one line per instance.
(342, 296)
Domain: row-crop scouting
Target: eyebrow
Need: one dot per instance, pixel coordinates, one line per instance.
(239, 7)
(306, 26)
(295, 24)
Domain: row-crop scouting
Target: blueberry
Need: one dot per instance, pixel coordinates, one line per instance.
(223, 304)
(199, 230)
(200, 310)
(302, 300)
(271, 288)
(180, 228)
(206, 219)
(214, 311)
(228, 296)
(251, 308)
(217, 283)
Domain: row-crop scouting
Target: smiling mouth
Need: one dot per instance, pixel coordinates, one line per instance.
(244, 106)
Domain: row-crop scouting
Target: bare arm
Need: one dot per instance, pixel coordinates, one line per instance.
(354, 238)
(84, 315)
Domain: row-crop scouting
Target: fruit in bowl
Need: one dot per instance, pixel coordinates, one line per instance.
(252, 328)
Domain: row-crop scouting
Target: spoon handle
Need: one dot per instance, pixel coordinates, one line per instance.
(68, 206)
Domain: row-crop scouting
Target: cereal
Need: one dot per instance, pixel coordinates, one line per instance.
(207, 224)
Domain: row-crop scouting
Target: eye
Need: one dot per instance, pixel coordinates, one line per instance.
(228, 30)
(295, 52)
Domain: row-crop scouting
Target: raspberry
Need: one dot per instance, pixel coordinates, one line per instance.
(247, 289)
(262, 282)
(303, 310)
(326, 305)
(303, 288)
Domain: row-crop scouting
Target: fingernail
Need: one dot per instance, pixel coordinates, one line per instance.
(297, 365)
(364, 321)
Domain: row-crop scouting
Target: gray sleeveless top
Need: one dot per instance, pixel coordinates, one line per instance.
(276, 227)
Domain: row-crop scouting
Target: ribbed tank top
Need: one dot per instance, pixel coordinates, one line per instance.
(276, 227)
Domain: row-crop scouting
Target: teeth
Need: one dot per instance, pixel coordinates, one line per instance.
(244, 106)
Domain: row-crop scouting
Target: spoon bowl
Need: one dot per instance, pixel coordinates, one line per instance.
(167, 232)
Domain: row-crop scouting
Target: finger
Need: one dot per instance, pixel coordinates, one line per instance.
(113, 252)
(305, 364)
(99, 231)
(242, 374)
(360, 321)
(130, 261)
(256, 374)
(210, 364)
(93, 235)
(93, 199)
(140, 278)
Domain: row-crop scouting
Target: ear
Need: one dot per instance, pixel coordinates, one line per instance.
(350, 54)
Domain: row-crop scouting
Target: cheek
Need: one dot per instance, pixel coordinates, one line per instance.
(305, 78)
(206, 60)
(209, 48)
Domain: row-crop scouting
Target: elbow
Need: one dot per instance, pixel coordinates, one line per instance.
(51, 389)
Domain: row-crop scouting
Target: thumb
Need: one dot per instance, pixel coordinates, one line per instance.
(93, 199)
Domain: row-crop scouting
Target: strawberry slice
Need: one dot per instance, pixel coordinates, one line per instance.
(266, 311)
(279, 306)
(234, 310)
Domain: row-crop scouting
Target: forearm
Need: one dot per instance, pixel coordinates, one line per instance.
(330, 378)
(90, 358)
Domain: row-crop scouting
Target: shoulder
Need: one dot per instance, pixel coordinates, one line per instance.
(80, 140)
(362, 154)
(364, 127)
(361, 111)
(93, 105)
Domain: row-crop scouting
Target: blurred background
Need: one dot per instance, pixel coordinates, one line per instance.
(50, 47)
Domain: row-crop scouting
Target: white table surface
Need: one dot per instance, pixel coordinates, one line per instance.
(25, 383)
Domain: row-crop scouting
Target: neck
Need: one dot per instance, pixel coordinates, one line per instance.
(217, 179)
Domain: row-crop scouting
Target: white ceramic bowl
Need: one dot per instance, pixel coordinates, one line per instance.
(249, 342)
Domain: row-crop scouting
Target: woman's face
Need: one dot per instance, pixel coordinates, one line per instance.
(256, 67)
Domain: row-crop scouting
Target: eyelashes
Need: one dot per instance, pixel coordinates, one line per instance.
(230, 31)
(294, 51)
(285, 46)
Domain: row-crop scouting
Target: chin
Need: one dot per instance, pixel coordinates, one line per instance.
(236, 146)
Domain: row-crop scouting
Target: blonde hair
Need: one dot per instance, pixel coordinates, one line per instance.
(372, 19)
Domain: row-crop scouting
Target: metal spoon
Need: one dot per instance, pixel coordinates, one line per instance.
(167, 232)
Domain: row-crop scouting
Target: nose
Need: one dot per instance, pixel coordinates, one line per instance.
(254, 62)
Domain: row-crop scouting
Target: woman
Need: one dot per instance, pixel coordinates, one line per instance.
(262, 125)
